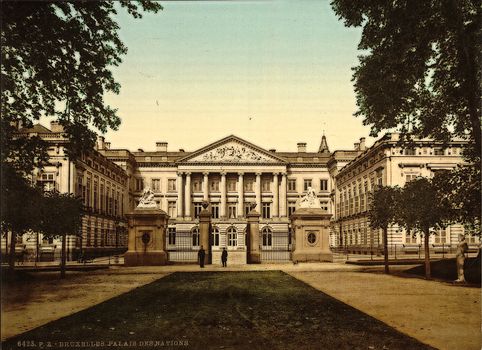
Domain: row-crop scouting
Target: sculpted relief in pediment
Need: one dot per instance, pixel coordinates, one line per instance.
(232, 152)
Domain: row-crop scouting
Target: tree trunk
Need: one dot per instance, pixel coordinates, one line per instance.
(11, 258)
(63, 257)
(426, 236)
(385, 249)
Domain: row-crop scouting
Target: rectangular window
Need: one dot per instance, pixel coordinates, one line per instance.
(410, 177)
(291, 208)
(80, 181)
(196, 185)
(306, 184)
(102, 198)
(266, 211)
(96, 194)
(47, 182)
(214, 186)
(88, 194)
(291, 184)
(323, 185)
(248, 185)
(156, 185)
(139, 184)
(197, 209)
(215, 210)
(232, 211)
(265, 185)
(171, 209)
(171, 185)
(232, 185)
(171, 239)
(410, 151)
(247, 208)
(441, 236)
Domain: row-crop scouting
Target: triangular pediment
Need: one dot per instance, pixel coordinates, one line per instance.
(232, 149)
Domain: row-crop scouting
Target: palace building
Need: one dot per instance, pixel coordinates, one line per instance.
(233, 174)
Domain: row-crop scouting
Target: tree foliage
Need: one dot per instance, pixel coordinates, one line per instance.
(424, 211)
(56, 62)
(420, 68)
(384, 209)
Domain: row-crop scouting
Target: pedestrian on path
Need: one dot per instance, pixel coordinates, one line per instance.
(200, 255)
(224, 257)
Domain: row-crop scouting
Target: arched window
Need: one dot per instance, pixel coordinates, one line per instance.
(195, 236)
(267, 236)
(232, 237)
(215, 236)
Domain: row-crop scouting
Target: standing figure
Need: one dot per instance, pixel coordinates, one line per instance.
(462, 248)
(224, 257)
(200, 256)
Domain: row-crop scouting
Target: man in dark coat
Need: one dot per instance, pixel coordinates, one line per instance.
(224, 257)
(200, 256)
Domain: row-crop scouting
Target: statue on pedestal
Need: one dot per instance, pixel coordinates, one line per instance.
(310, 200)
(147, 200)
(462, 248)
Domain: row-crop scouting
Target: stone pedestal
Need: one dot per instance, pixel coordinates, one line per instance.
(147, 237)
(252, 244)
(311, 239)
(204, 233)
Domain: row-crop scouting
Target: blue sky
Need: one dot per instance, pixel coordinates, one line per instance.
(272, 72)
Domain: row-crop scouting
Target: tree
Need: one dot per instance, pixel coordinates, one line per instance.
(56, 59)
(23, 212)
(423, 210)
(383, 213)
(62, 216)
(420, 68)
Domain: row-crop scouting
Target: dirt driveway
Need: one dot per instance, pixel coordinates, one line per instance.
(439, 314)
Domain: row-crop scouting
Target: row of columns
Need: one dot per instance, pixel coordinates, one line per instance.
(279, 194)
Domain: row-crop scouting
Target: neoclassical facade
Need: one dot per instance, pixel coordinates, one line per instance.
(386, 163)
(233, 175)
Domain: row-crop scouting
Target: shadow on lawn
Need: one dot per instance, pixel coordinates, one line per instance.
(234, 310)
(447, 270)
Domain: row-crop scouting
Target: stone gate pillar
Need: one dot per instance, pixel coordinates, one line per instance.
(147, 237)
(254, 254)
(204, 232)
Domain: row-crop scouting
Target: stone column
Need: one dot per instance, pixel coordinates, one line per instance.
(240, 195)
(282, 197)
(275, 195)
(258, 191)
(222, 209)
(206, 186)
(254, 254)
(187, 196)
(204, 226)
(179, 195)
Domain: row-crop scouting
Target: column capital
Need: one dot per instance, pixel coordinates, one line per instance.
(259, 173)
(283, 173)
(240, 173)
(188, 173)
(223, 173)
(276, 173)
(205, 173)
(180, 173)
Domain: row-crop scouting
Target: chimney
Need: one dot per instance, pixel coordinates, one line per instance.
(356, 145)
(181, 150)
(107, 145)
(55, 126)
(362, 144)
(272, 150)
(100, 142)
(140, 150)
(161, 146)
(301, 147)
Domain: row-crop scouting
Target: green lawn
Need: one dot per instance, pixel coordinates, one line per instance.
(225, 310)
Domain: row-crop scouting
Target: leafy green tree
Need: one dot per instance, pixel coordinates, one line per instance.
(423, 210)
(383, 212)
(62, 215)
(419, 68)
(56, 62)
